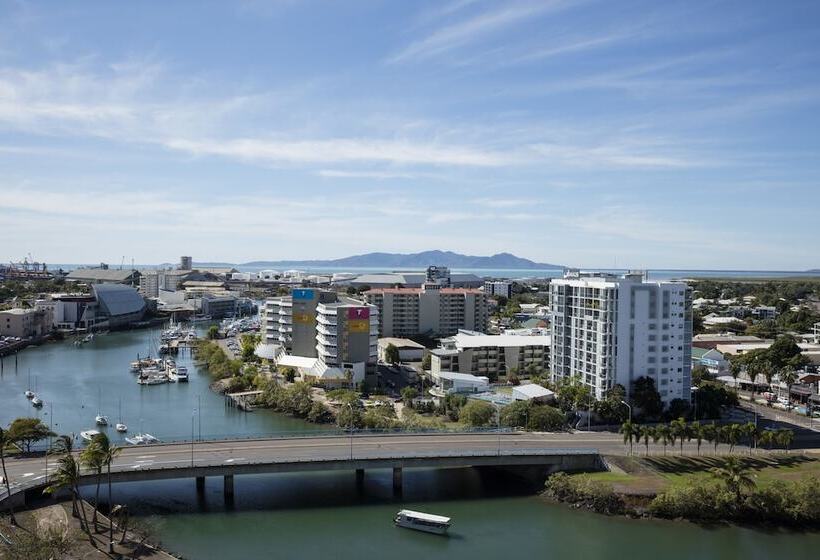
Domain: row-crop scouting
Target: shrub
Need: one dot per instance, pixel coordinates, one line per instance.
(593, 494)
(476, 413)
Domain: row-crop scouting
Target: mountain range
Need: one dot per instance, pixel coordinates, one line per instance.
(414, 260)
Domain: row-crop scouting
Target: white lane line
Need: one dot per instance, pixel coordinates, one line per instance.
(232, 460)
(27, 474)
(146, 456)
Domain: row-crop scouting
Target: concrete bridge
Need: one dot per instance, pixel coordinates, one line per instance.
(539, 453)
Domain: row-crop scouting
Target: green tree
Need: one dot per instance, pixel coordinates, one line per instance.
(698, 433)
(543, 418)
(646, 397)
(213, 332)
(784, 437)
(391, 354)
(476, 413)
(664, 433)
(680, 431)
(711, 433)
(735, 476)
(408, 395)
(735, 369)
(645, 433)
(731, 434)
(629, 431)
(699, 375)
(516, 414)
(92, 457)
(749, 430)
(27, 431)
(67, 477)
(767, 438)
(788, 376)
(426, 361)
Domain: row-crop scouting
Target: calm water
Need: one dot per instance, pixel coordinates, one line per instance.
(75, 382)
(325, 515)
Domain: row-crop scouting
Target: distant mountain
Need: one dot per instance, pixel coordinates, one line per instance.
(415, 260)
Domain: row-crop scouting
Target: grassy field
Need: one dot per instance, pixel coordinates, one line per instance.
(649, 475)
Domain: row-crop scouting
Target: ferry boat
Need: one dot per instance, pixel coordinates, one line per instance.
(88, 435)
(425, 522)
(141, 439)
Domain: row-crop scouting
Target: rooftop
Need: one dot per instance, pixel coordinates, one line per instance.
(462, 340)
(455, 376)
(533, 391)
(101, 274)
(401, 342)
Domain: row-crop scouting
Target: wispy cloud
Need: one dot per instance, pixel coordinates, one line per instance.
(474, 29)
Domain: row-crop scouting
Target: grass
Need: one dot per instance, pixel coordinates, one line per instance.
(643, 475)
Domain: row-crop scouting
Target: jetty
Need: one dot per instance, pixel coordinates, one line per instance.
(246, 400)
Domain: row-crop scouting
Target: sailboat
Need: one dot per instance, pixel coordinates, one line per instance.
(36, 401)
(121, 428)
(29, 393)
(100, 419)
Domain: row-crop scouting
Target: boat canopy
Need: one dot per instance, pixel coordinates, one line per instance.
(424, 516)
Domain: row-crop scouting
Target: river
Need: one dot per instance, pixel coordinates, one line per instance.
(325, 515)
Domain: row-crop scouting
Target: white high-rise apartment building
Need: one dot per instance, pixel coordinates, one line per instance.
(610, 330)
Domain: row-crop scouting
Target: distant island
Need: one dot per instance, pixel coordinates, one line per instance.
(416, 260)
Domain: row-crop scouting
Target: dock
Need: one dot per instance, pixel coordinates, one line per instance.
(245, 400)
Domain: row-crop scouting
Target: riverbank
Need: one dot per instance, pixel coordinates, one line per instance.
(51, 531)
(774, 489)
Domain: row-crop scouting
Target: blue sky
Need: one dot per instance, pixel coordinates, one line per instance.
(587, 133)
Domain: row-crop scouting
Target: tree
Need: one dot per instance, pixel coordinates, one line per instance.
(646, 397)
(476, 413)
(664, 434)
(516, 414)
(572, 394)
(27, 431)
(391, 354)
(629, 430)
(735, 476)
(749, 429)
(735, 368)
(67, 476)
(5, 440)
(408, 395)
(645, 433)
(698, 432)
(543, 418)
(699, 375)
(680, 431)
(788, 375)
(767, 438)
(92, 457)
(711, 434)
(349, 417)
(213, 332)
(731, 433)
(784, 437)
(426, 361)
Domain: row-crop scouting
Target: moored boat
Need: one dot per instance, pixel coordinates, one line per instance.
(88, 435)
(141, 439)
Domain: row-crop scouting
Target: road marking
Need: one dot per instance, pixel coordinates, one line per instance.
(27, 474)
(146, 456)
(236, 459)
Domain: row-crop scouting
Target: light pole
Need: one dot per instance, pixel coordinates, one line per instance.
(199, 413)
(193, 415)
(629, 406)
(350, 406)
(498, 425)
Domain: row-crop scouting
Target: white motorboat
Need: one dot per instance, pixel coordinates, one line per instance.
(419, 521)
(141, 439)
(88, 435)
(121, 428)
(88, 338)
(36, 402)
(30, 394)
(182, 374)
(101, 420)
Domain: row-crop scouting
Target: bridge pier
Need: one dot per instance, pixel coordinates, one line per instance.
(359, 477)
(397, 476)
(200, 484)
(228, 488)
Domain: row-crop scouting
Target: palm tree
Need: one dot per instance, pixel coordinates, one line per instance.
(67, 476)
(735, 367)
(784, 437)
(768, 372)
(788, 376)
(767, 438)
(109, 454)
(679, 431)
(121, 512)
(754, 369)
(731, 434)
(629, 430)
(711, 434)
(735, 476)
(697, 431)
(664, 433)
(749, 429)
(644, 433)
(92, 458)
(5, 441)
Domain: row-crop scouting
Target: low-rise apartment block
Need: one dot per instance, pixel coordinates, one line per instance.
(491, 355)
(498, 288)
(25, 323)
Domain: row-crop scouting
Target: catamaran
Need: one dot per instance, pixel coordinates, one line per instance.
(141, 439)
(419, 521)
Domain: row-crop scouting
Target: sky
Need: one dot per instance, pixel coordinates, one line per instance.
(583, 133)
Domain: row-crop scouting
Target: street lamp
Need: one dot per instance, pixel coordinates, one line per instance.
(193, 415)
(350, 406)
(630, 410)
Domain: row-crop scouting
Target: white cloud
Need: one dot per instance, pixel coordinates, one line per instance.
(474, 29)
